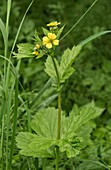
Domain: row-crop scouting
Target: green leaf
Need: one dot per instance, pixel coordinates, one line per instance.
(92, 37)
(24, 51)
(20, 26)
(45, 123)
(40, 144)
(98, 110)
(76, 119)
(76, 129)
(75, 132)
(70, 146)
(66, 62)
(50, 70)
(33, 145)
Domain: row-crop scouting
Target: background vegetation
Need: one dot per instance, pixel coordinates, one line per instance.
(91, 80)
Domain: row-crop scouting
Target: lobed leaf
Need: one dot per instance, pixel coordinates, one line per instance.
(67, 60)
(75, 121)
(45, 123)
(70, 146)
(25, 50)
(33, 145)
(50, 70)
(75, 132)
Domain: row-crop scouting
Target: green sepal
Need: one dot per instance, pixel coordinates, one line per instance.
(59, 32)
(41, 54)
(37, 38)
(45, 31)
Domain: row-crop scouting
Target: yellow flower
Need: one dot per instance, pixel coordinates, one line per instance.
(35, 53)
(53, 24)
(50, 40)
(37, 47)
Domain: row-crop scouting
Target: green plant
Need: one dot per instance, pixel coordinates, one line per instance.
(55, 133)
(62, 136)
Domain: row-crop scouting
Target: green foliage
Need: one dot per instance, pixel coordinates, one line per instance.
(44, 124)
(50, 70)
(34, 145)
(24, 51)
(67, 60)
(65, 68)
(3, 30)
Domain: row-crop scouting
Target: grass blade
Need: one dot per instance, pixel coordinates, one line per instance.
(14, 122)
(47, 85)
(20, 26)
(3, 30)
(92, 37)
(79, 20)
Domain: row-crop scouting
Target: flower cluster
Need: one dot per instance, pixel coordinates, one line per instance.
(48, 41)
(36, 49)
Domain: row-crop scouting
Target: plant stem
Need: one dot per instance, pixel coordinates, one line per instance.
(44, 163)
(36, 163)
(57, 158)
(59, 113)
(59, 129)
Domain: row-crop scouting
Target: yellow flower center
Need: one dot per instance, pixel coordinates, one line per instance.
(50, 40)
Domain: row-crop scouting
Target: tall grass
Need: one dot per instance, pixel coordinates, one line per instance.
(9, 107)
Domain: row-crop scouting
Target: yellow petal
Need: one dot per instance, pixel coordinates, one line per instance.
(45, 40)
(53, 24)
(49, 45)
(56, 42)
(51, 36)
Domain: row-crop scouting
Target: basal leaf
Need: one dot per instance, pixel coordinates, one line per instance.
(45, 123)
(40, 144)
(98, 110)
(77, 119)
(24, 51)
(33, 145)
(76, 129)
(70, 146)
(67, 60)
(50, 70)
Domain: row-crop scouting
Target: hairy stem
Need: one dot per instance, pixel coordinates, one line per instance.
(59, 114)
